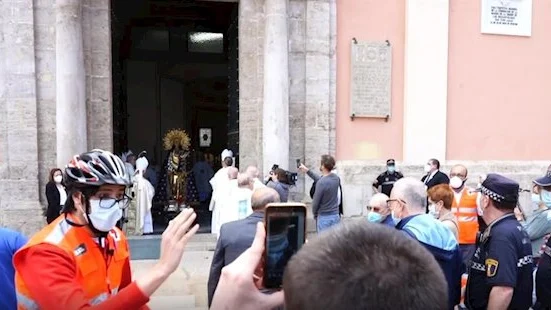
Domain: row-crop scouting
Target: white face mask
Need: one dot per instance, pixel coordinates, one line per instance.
(432, 210)
(479, 204)
(104, 219)
(456, 182)
(428, 168)
(58, 179)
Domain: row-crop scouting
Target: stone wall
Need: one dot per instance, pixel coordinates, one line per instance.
(357, 177)
(19, 207)
(312, 88)
(251, 77)
(96, 31)
(28, 101)
(297, 88)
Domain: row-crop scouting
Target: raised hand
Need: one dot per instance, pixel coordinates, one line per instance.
(175, 238)
(238, 286)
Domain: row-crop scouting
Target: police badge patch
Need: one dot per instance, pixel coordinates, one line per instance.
(491, 267)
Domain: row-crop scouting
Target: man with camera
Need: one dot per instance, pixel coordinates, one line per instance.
(325, 203)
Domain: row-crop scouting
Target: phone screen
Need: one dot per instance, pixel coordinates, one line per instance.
(285, 235)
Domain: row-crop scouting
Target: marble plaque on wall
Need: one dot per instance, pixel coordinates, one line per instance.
(506, 17)
(371, 67)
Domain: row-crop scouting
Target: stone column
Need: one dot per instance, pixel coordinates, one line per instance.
(275, 116)
(70, 82)
(251, 82)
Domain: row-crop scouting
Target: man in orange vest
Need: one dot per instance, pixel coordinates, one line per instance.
(81, 259)
(465, 210)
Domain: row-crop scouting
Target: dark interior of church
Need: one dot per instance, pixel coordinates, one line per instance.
(174, 66)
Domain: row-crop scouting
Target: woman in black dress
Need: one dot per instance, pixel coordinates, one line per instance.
(55, 194)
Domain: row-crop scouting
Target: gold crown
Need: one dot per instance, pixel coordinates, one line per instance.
(176, 138)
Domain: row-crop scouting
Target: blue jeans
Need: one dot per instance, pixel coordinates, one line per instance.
(325, 222)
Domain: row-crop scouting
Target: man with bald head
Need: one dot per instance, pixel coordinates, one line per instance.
(253, 172)
(407, 205)
(237, 236)
(379, 211)
(464, 208)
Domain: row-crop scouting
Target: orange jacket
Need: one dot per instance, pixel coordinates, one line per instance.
(467, 216)
(98, 274)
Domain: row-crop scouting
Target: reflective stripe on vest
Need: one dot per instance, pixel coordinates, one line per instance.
(26, 302)
(467, 217)
(94, 279)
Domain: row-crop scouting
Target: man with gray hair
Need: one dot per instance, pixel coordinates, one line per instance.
(253, 172)
(407, 203)
(237, 236)
(378, 210)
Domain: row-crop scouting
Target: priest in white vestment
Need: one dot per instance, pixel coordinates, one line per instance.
(144, 195)
(224, 198)
(219, 184)
(238, 204)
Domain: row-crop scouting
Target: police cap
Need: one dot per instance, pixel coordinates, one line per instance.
(500, 188)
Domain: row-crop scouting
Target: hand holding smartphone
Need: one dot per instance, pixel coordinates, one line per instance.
(285, 234)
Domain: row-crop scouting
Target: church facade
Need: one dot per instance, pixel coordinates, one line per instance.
(447, 101)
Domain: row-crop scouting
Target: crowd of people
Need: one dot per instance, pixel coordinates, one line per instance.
(426, 244)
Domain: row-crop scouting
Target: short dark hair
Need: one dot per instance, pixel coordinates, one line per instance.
(435, 162)
(328, 162)
(361, 265)
(504, 205)
(228, 161)
(86, 190)
(281, 175)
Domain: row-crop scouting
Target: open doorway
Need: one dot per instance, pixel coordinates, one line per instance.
(175, 66)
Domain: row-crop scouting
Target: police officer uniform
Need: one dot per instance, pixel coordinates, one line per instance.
(543, 275)
(543, 279)
(503, 255)
(387, 179)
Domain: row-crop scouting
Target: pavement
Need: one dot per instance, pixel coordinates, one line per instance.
(186, 288)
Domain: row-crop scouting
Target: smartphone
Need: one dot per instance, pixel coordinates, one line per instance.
(285, 234)
(298, 163)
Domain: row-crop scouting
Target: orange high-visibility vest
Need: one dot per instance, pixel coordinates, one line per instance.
(467, 216)
(97, 280)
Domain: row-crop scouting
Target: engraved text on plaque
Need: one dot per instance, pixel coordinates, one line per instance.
(371, 66)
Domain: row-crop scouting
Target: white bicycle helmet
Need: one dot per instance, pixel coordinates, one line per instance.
(96, 168)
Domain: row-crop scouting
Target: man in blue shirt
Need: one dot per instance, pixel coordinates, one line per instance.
(10, 242)
(407, 203)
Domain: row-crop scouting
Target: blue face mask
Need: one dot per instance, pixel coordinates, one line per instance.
(536, 198)
(395, 219)
(374, 217)
(391, 169)
(546, 197)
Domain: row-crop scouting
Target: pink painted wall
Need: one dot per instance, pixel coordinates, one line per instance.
(370, 21)
(499, 88)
